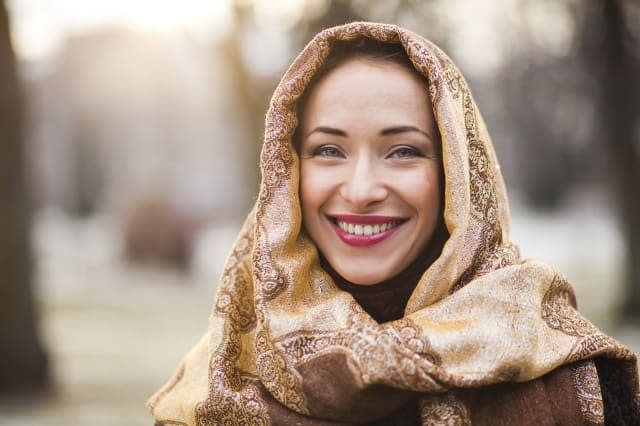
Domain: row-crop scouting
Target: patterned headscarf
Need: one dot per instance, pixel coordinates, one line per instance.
(286, 346)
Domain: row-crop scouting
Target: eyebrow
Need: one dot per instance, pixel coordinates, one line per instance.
(384, 132)
(328, 131)
(403, 129)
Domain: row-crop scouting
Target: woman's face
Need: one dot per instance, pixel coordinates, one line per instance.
(369, 181)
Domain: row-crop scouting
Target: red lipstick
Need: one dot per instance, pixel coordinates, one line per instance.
(365, 240)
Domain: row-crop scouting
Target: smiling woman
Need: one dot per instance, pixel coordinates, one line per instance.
(374, 282)
(369, 174)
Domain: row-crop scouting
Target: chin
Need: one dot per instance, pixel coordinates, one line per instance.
(357, 277)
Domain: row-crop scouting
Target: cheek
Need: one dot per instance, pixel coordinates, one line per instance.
(313, 189)
(422, 191)
(306, 195)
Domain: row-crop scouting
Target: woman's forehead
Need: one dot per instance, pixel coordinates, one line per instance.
(369, 91)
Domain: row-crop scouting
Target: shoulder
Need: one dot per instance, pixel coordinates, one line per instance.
(591, 392)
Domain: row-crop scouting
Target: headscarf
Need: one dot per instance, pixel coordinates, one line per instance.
(285, 345)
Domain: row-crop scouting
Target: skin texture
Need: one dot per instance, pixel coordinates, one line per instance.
(368, 147)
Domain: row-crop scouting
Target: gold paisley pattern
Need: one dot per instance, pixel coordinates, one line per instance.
(492, 253)
(235, 296)
(443, 410)
(599, 344)
(275, 375)
(232, 399)
(270, 280)
(306, 345)
(587, 387)
(559, 314)
(275, 310)
(406, 333)
(483, 197)
(363, 340)
(303, 346)
(506, 255)
(383, 361)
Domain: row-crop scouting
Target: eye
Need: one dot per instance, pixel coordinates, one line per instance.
(330, 151)
(405, 152)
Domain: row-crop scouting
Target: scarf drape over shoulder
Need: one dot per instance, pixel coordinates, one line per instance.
(285, 345)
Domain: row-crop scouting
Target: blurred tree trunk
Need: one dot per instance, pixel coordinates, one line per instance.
(249, 95)
(253, 92)
(617, 70)
(22, 359)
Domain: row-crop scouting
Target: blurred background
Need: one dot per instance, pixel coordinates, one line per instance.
(130, 132)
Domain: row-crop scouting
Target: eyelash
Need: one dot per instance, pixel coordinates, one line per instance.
(411, 151)
(401, 152)
(323, 151)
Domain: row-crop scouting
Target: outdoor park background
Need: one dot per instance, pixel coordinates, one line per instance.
(130, 132)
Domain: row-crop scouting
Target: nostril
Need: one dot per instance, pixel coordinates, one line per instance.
(363, 191)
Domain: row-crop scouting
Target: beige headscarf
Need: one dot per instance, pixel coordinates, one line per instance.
(286, 346)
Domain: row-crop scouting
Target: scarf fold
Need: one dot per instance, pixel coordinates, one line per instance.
(286, 345)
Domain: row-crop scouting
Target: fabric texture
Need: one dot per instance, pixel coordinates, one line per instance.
(482, 331)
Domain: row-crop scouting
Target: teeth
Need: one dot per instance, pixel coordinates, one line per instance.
(367, 230)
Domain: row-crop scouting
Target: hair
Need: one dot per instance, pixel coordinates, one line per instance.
(359, 48)
(363, 48)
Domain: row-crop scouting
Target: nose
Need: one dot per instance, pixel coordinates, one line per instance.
(363, 185)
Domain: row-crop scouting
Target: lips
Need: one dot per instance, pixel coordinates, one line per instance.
(357, 230)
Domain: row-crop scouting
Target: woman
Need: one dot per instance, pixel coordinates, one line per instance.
(374, 282)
